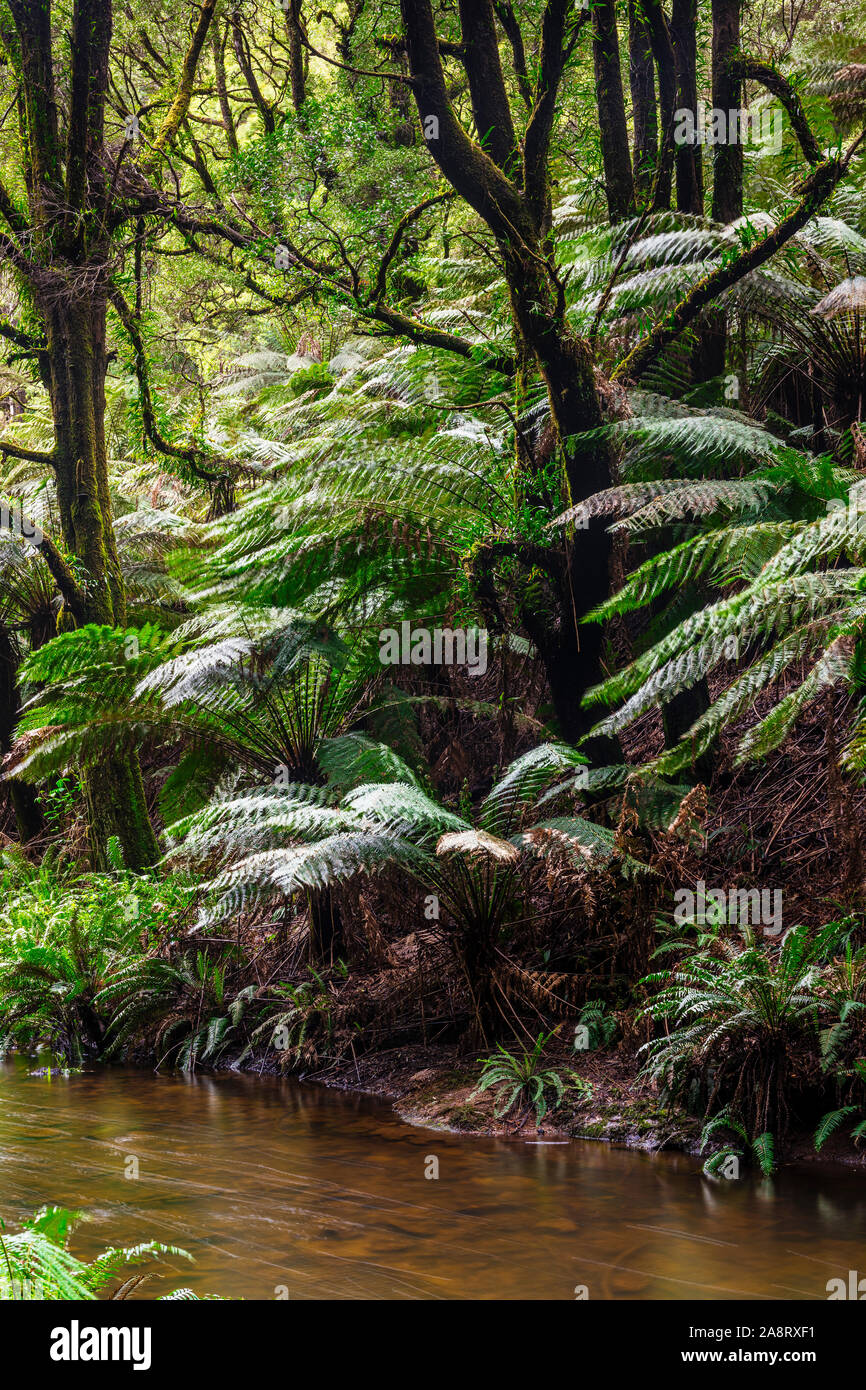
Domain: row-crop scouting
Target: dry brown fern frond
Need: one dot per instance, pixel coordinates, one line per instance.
(687, 824)
(536, 987)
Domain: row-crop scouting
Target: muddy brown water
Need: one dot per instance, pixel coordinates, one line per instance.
(280, 1189)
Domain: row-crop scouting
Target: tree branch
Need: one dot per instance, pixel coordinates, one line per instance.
(490, 107)
(507, 18)
(23, 340)
(20, 451)
(181, 103)
(816, 189)
(475, 176)
(744, 67)
(72, 592)
(189, 455)
(405, 221)
(397, 322)
(357, 72)
(417, 331)
(536, 143)
(239, 44)
(91, 40)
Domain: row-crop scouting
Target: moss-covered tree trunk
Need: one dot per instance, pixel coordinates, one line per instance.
(64, 250)
(509, 188)
(569, 647)
(77, 362)
(295, 28)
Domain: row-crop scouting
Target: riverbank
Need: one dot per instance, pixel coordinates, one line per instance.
(279, 1189)
(435, 1088)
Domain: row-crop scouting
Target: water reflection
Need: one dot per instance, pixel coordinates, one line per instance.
(278, 1188)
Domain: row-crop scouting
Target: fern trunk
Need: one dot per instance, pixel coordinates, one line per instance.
(475, 948)
(23, 797)
(326, 928)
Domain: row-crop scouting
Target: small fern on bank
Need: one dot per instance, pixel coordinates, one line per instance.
(521, 1079)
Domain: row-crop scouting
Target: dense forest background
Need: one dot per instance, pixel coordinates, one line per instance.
(432, 575)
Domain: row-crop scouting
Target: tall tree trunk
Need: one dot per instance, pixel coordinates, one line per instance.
(727, 95)
(65, 255)
(294, 24)
(570, 649)
(618, 180)
(516, 210)
(218, 49)
(683, 28)
(643, 102)
(75, 337)
(663, 53)
(727, 206)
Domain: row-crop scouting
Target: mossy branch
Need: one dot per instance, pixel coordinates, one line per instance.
(189, 455)
(180, 106)
(815, 191)
(72, 592)
(744, 67)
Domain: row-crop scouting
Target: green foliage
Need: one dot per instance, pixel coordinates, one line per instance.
(600, 1025)
(521, 1079)
(735, 1014)
(61, 799)
(315, 378)
(761, 1148)
(835, 1118)
(321, 421)
(180, 1006)
(783, 616)
(299, 1022)
(85, 682)
(36, 1263)
(281, 843)
(63, 936)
